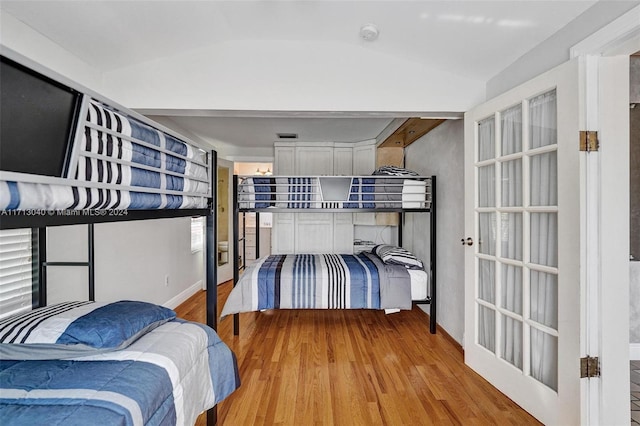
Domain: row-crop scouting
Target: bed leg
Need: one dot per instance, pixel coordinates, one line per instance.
(432, 317)
(236, 324)
(212, 416)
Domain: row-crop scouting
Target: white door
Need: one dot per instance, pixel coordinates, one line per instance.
(522, 279)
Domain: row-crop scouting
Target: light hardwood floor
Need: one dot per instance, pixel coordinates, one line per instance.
(359, 367)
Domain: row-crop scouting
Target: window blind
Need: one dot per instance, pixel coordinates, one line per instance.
(16, 271)
(197, 234)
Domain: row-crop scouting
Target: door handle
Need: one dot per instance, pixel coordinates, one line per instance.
(468, 241)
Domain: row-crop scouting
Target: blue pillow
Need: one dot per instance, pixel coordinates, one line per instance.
(72, 329)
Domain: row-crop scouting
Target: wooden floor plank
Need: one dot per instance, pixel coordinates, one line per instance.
(325, 367)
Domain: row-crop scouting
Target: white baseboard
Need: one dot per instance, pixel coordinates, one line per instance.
(634, 351)
(174, 302)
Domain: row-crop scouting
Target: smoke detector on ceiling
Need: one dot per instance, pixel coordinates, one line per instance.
(369, 32)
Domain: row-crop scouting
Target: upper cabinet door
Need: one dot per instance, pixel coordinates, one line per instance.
(314, 160)
(342, 161)
(364, 159)
(284, 161)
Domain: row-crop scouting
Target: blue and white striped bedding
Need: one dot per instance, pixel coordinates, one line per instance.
(320, 281)
(124, 154)
(362, 191)
(168, 376)
(306, 193)
(289, 192)
(68, 329)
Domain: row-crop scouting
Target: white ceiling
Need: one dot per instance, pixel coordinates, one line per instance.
(258, 131)
(475, 39)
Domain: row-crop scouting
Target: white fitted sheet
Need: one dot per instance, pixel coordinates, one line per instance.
(419, 284)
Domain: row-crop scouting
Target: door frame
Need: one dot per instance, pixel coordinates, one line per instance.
(605, 183)
(225, 272)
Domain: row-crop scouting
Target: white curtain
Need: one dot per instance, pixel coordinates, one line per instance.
(511, 236)
(486, 139)
(507, 230)
(511, 127)
(486, 174)
(544, 239)
(486, 233)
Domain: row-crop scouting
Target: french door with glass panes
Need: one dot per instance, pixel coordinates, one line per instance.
(522, 216)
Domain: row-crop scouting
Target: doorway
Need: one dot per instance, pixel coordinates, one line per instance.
(607, 52)
(254, 244)
(224, 210)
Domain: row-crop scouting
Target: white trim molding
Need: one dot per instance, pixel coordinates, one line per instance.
(612, 37)
(181, 297)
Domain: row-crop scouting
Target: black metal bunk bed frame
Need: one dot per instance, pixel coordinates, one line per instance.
(39, 220)
(39, 224)
(237, 266)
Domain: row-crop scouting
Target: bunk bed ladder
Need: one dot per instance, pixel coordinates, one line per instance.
(44, 264)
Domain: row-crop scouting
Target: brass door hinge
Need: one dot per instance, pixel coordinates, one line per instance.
(589, 141)
(589, 367)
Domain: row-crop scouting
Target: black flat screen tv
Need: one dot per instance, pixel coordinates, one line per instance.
(38, 117)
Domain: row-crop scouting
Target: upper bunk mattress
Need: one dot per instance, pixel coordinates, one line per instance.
(334, 192)
(117, 162)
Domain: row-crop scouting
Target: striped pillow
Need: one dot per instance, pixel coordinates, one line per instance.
(397, 256)
(73, 329)
(394, 171)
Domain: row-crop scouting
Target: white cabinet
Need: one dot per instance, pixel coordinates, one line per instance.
(343, 161)
(282, 233)
(364, 162)
(342, 233)
(284, 164)
(314, 160)
(250, 244)
(314, 233)
(343, 222)
(364, 158)
(318, 232)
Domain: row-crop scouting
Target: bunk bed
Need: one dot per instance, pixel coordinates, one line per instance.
(70, 156)
(389, 277)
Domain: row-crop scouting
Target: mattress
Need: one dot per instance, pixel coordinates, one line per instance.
(419, 284)
(168, 376)
(320, 281)
(121, 163)
(351, 193)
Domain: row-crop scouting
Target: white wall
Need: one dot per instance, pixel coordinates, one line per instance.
(21, 38)
(555, 50)
(441, 153)
(132, 260)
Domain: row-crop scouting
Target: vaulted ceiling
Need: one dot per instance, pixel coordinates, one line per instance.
(463, 42)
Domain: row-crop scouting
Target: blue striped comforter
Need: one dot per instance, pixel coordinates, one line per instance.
(320, 281)
(168, 376)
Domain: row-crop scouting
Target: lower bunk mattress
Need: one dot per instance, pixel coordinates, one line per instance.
(166, 377)
(325, 281)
